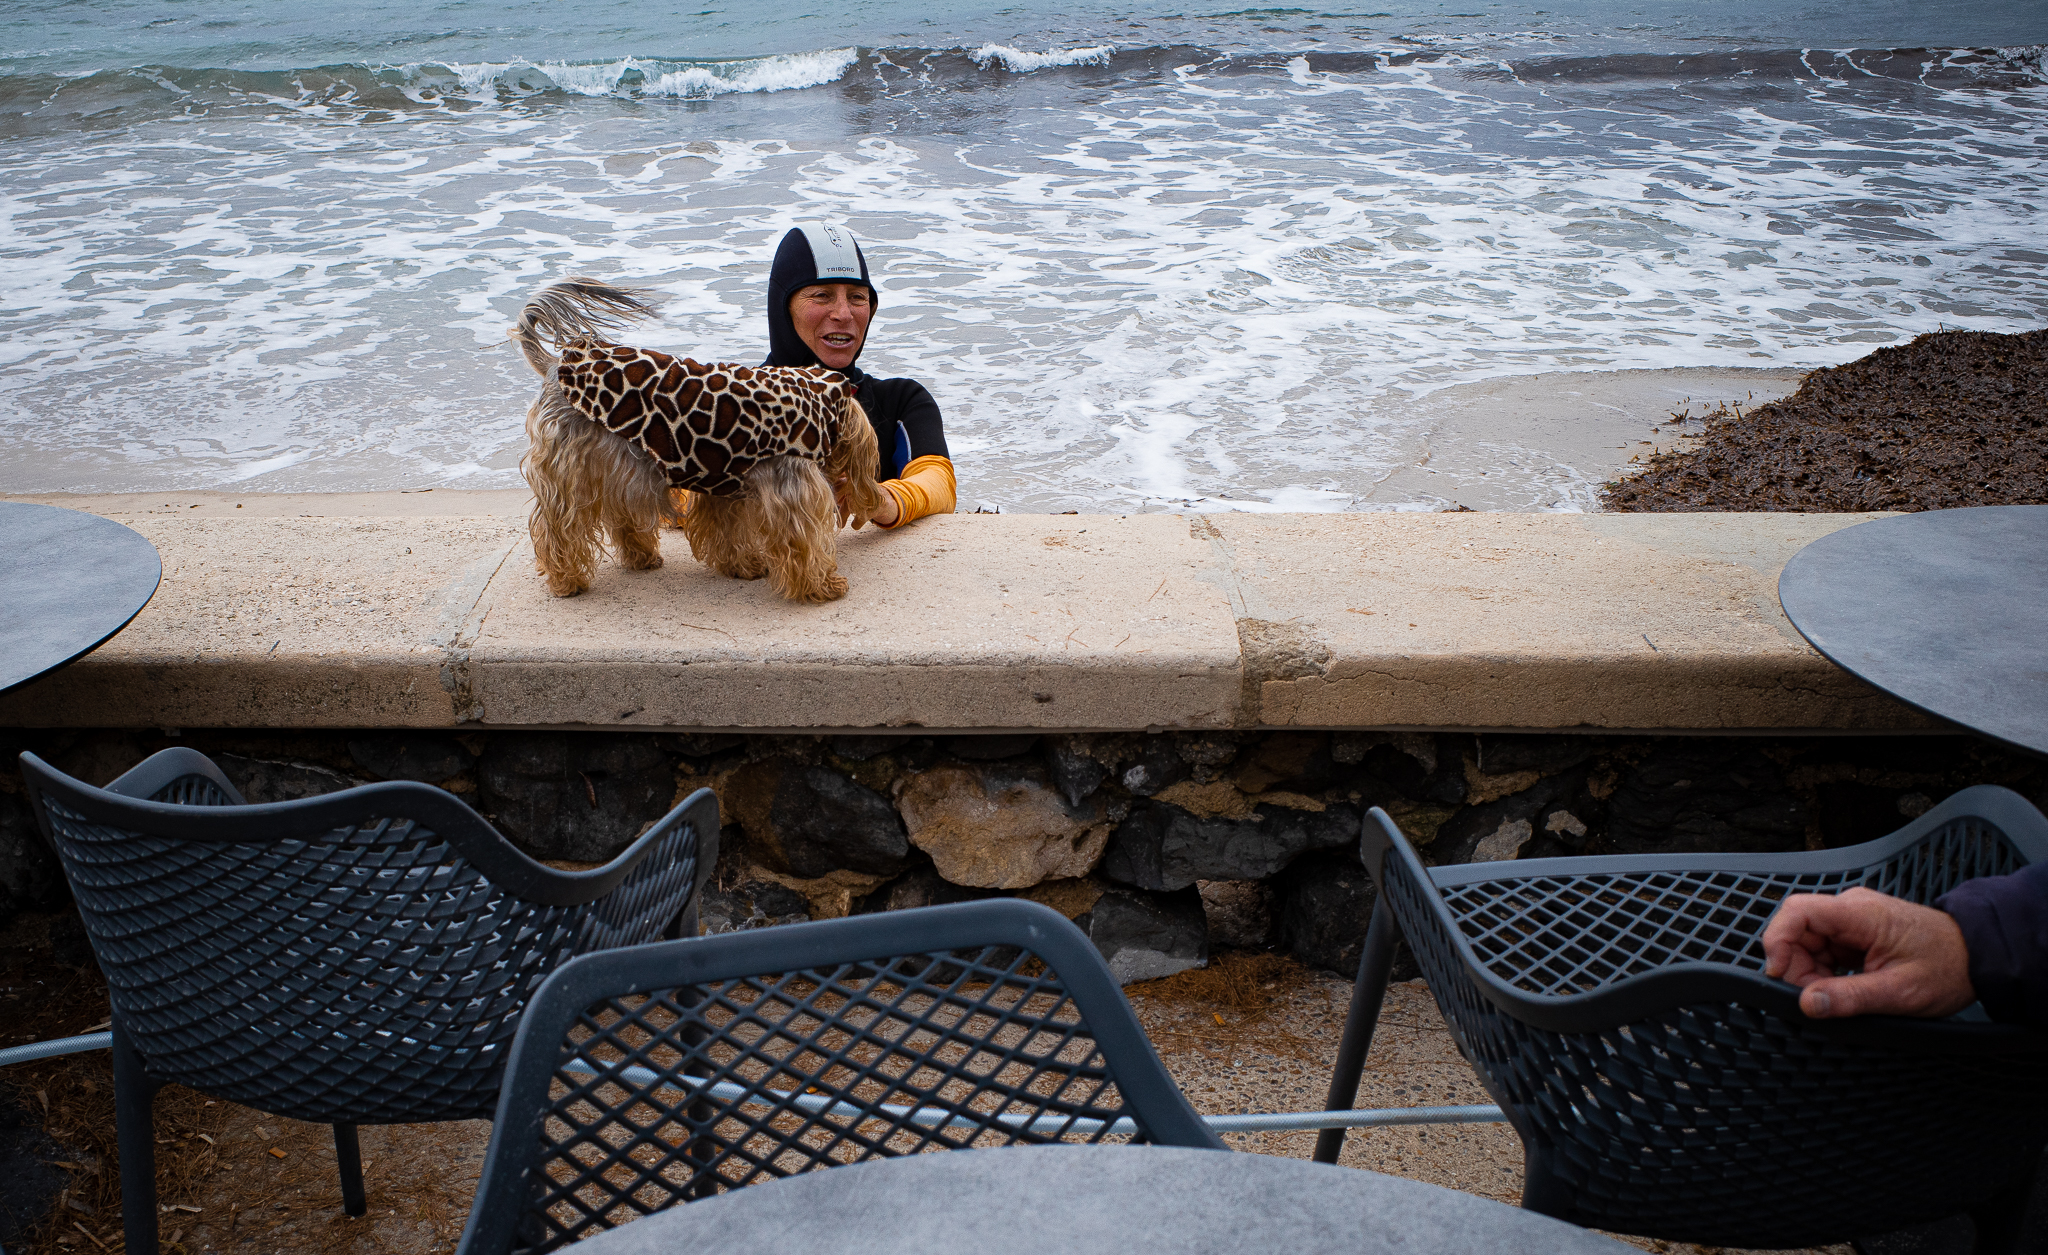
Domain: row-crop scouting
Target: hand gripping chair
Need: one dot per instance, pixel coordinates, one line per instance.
(1616, 1008)
(643, 1078)
(356, 958)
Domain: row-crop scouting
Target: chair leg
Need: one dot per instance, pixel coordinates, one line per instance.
(1367, 993)
(1543, 1191)
(348, 1156)
(684, 925)
(135, 1132)
(701, 1152)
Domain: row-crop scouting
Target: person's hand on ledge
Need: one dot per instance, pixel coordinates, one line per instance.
(1912, 958)
(886, 516)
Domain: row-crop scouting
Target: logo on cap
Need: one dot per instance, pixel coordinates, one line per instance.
(833, 250)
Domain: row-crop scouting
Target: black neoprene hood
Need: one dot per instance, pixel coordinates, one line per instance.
(825, 253)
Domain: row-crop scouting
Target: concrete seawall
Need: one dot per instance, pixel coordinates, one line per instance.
(422, 610)
(1168, 728)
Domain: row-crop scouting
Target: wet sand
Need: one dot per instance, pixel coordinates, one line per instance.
(1549, 442)
(1518, 443)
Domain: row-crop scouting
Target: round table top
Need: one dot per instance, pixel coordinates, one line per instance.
(1028, 1200)
(1946, 609)
(68, 581)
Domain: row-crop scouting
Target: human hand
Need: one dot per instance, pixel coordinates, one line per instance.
(1913, 958)
(886, 515)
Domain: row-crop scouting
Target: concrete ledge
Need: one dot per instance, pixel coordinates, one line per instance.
(422, 610)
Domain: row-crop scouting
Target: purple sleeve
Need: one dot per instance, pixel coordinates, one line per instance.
(2005, 923)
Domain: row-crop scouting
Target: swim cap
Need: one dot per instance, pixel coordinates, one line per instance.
(820, 253)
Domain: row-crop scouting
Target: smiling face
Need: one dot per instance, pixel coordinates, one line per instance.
(832, 321)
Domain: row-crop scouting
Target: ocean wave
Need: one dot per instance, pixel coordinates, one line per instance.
(40, 101)
(635, 76)
(1019, 62)
(1190, 277)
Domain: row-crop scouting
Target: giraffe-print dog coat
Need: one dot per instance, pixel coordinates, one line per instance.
(704, 423)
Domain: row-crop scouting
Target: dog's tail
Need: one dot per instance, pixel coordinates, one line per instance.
(574, 309)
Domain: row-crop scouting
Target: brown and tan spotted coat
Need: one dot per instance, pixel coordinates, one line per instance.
(704, 423)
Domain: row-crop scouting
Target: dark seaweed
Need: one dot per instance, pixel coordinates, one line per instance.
(1954, 418)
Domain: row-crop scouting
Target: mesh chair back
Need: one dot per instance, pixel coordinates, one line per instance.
(1617, 1010)
(642, 1079)
(361, 957)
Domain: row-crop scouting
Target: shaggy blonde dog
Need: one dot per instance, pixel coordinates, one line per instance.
(752, 454)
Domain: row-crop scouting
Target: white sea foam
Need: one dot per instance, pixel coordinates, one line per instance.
(632, 76)
(1019, 62)
(1207, 290)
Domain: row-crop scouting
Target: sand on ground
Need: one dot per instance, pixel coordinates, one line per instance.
(269, 1185)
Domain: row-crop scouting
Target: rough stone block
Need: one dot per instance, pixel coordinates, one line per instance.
(1075, 772)
(700, 744)
(267, 780)
(859, 749)
(921, 887)
(1239, 912)
(1144, 936)
(30, 876)
(1324, 902)
(569, 795)
(1697, 797)
(410, 756)
(1557, 807)
(1001, 825)
(990, 748)
(1158, 766)
(1162, 847)
(1071, 898)
(821, 822)
(753, 904)
(1503, 752)
(1288, 760)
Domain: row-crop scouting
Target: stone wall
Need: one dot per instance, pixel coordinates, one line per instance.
(1160, 846)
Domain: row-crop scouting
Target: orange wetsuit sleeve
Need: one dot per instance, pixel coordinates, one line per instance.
(926, 487)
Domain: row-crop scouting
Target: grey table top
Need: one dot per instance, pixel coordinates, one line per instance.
(68, 581)
(1946, 610)
(1030, 1200)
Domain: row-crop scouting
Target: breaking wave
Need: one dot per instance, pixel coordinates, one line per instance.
(39, 103)
(1019, 62)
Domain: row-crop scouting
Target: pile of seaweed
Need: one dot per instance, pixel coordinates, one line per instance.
(1954, 418)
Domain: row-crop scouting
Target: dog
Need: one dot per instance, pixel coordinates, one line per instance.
(622, 442)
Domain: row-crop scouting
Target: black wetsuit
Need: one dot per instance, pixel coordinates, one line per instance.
(2005, 924)
(905, 417)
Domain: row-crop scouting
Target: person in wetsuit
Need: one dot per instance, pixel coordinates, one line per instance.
(820, 301)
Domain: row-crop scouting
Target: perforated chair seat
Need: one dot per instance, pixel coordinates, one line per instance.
(644, 1078)
(362, 957)
(1617, 1010)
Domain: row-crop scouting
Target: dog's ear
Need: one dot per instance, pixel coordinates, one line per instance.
(855, 458)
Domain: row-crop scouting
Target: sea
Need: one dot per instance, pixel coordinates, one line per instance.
(1147, 254)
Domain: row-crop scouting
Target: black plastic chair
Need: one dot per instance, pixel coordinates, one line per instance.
(1616, 1008)
(357, 958)
(647, 1077)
